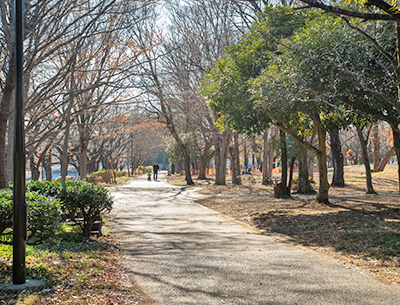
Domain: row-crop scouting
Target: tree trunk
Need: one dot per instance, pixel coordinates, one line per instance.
(396, 144)
(184, 150)
(265, 158)
(246, 159)
(64, 156)
(232, 165)
(186, 162)
(284, 161)
(337, 156)
(8, 90)
(235, 162)
(364, 150)
(310, 164)
(10, 142)
(221, 156)
(310, 158)
(304, 186)
(289, 188)
(47, 165)
(204, 158)
(84, 159)
(281, 190)
(203, 166)
(35, 172)
(386, 159)
(323, 191)
(376, 147)
(270, 160)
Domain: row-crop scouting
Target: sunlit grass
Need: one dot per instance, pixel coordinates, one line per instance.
(71, 267)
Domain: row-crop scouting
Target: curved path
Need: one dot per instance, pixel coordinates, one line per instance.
(183, 253)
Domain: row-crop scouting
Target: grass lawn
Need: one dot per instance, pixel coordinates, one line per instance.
(76, 271)
(362, 231)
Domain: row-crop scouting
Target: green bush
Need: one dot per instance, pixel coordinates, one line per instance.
(47, 200)
(46, 188)
(6, 210)
(92, 201)
(44, 215)
(98, 177)
(58, 179)
(143, 169)
(123, 173)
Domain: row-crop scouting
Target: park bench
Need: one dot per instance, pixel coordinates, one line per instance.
(272, 181)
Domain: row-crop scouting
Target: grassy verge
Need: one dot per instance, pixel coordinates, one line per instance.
(360, 230)
(76, 271)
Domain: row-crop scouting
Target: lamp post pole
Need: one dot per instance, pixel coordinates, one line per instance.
(19, 206)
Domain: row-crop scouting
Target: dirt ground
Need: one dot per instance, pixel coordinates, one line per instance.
(360, 230)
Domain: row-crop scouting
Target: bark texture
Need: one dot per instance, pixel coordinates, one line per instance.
(322, 196)
(364, 149)
(265, 158)
(376, 147)
(221, 156)
(304, 186)
(338, 160)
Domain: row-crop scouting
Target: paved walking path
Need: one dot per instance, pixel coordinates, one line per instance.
(184, 253)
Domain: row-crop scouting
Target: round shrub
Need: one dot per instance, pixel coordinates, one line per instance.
(101, 176)
(46, 188)
(92, 201)
(58, 179)
(44, 216)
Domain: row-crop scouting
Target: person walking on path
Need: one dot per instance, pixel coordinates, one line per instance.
(155, 171)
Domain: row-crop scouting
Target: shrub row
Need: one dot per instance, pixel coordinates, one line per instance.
(47, 201)
(44, 215)
(104, 176)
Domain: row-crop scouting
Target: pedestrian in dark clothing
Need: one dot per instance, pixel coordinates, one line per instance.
(155, 171)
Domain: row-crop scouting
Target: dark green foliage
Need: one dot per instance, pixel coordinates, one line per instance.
(92, 201)
(46, 188)
(47, 200)
(43, 215)
(6, 210)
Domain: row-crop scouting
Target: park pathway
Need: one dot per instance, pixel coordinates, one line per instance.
(183, 253)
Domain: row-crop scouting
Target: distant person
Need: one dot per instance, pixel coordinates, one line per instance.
(149, 176)
(155, 171)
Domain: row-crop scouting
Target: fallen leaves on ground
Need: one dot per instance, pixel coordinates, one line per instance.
(362, 231)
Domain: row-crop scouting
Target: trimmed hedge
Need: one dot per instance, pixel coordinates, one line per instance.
(44, 215)
(6, 210)
(92, 201)
(46, 188)
(48, 200)
(104, 176)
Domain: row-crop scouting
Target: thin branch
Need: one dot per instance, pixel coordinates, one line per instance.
(360, 15)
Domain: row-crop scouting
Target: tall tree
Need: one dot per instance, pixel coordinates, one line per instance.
(385, 54)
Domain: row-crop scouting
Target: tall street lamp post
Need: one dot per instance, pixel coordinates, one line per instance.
(19, 207)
